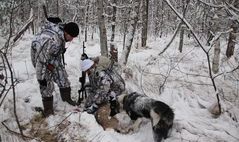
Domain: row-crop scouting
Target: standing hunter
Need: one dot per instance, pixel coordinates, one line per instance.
(47, 54)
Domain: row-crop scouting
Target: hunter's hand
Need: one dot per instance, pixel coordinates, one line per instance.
(50, 67)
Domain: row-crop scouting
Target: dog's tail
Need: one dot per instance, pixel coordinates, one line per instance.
(162, 122)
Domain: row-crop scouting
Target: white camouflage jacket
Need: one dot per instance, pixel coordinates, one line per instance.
(47, 48)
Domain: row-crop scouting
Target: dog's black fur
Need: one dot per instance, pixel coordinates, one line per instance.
(160, 114)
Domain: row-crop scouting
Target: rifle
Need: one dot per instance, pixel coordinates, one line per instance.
(82, 92)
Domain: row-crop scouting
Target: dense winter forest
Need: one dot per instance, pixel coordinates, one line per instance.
(184, 52)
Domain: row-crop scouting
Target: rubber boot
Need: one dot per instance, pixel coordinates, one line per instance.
(66, 96)
(48, 106)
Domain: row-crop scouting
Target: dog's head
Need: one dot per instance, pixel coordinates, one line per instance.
(116, 106)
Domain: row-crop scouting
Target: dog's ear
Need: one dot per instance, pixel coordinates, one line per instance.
(121, 97)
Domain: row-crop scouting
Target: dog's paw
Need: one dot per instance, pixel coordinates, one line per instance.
(110, 129)
(124, 130)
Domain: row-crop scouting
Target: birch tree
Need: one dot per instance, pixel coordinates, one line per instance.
(113, 48)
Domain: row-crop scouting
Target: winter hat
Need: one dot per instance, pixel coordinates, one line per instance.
(72, 29)
(86, 64)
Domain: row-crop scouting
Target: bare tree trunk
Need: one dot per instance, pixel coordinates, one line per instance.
(86, 19)
(232, 40)
(57, 8)
(181, 39)
(125, 32)
(103, 36)
(130, 36)
(216, 58)
(145, 4)
(32, 23)
(45, 11)
(185, 5)
(113, 49)
(162, 21)
(156, 23)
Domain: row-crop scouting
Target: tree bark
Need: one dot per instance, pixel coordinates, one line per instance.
(86, 19)
(185, 5)
(232, 40)
(57, 8)
(216, 58)
(145, 23)
(103, 36)
(130, 36)
(113, 49)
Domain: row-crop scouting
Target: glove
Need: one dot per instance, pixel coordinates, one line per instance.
(84, 56)
(64, 50)
(82, 80)
(50, 67)
(42, 82)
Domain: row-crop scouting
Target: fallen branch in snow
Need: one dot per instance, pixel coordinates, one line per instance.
(7, 90)
(232, 135)
(16, 133)
(62, 120)
(96, 136)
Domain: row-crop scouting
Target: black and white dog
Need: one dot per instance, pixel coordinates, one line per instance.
(160, 114)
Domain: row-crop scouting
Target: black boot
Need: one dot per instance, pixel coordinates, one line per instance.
(48, 106)
(66, 96)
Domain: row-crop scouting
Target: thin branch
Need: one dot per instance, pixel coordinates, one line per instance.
(25, 27)
(173, 37)
(7, 90)
(6, 47)
(211, 5)
(227, 72)
(57, 125)
(201, 46)
(16, 133)
(14, 95)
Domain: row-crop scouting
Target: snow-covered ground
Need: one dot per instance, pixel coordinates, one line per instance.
(187, 90)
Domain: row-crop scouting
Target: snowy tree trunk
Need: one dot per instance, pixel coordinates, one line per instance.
(156, 22)
(124, 37)
(113, 49)
(185, 5)
(103, 36)
(86, 19)
(216, 58)
(57, 8)
(162, 21)
(130, 36)
(181, 39)
(232, 40)
(145, 6)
